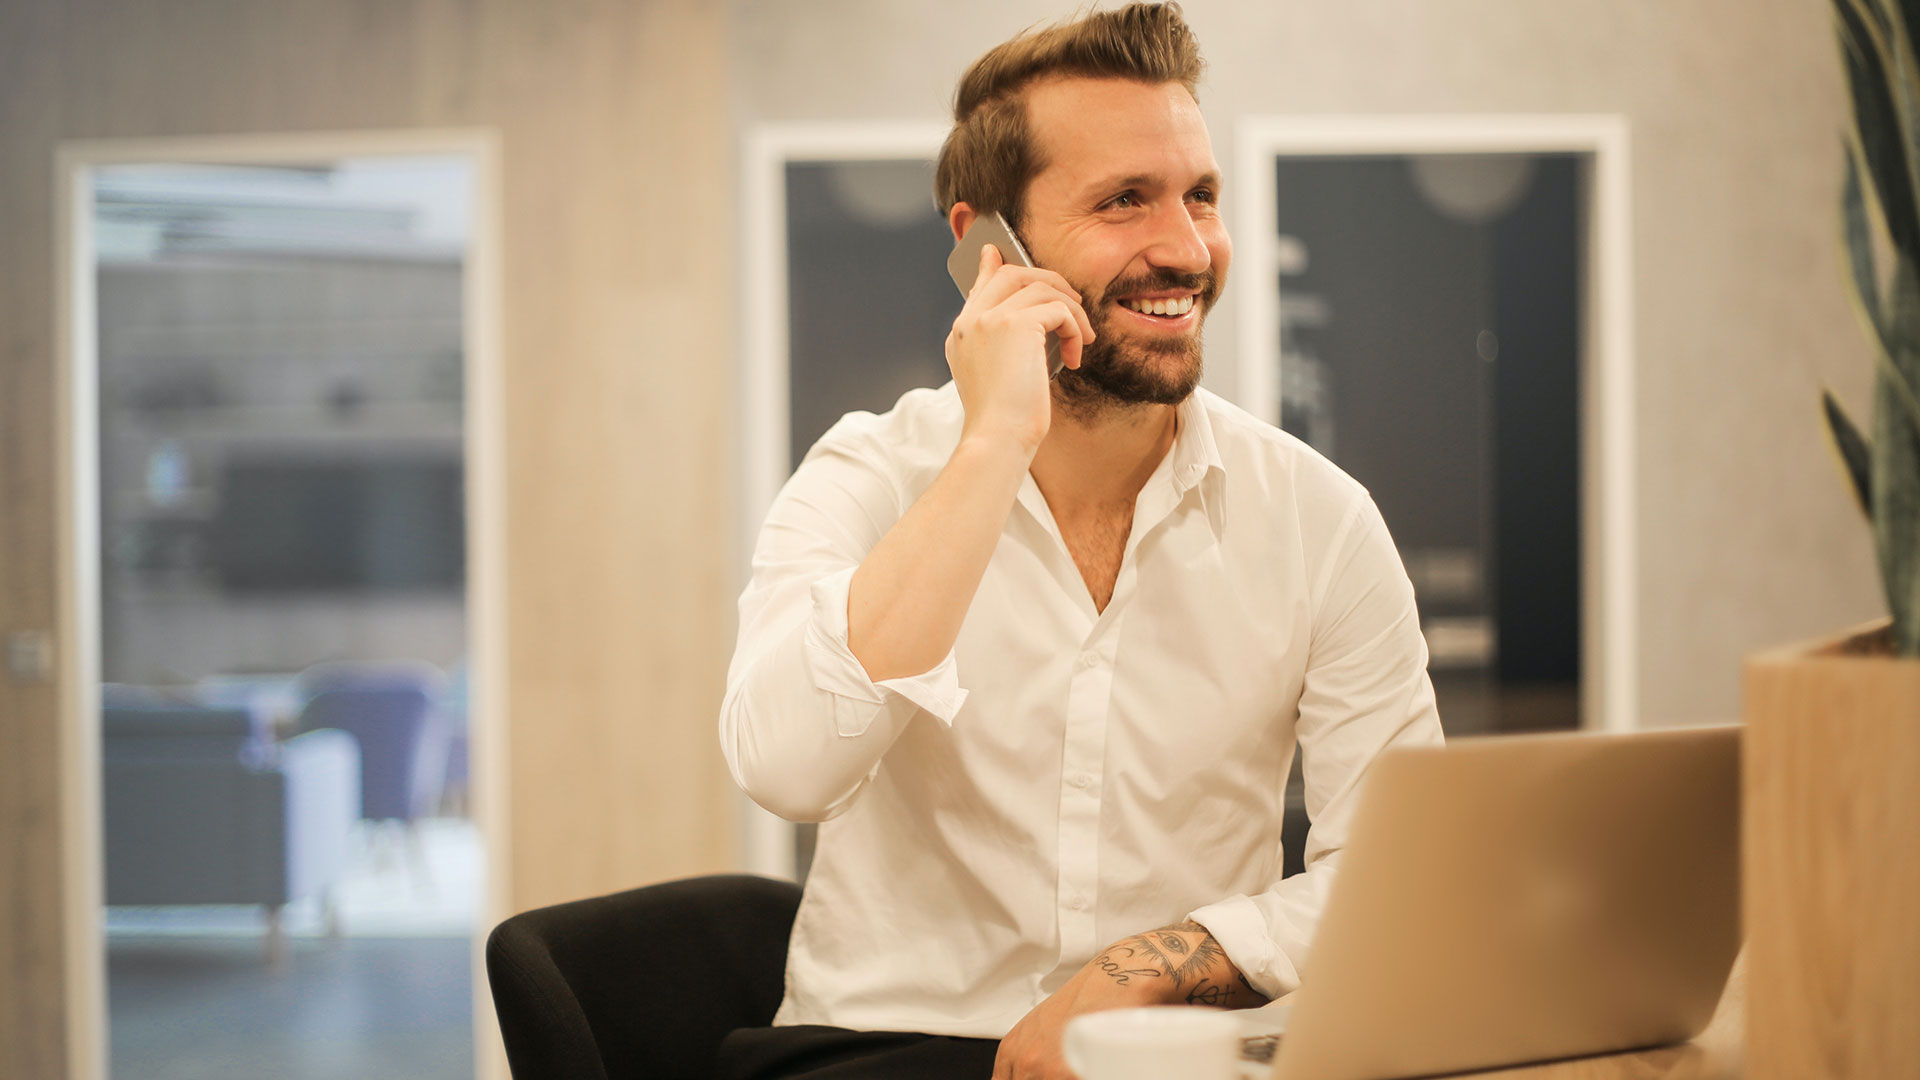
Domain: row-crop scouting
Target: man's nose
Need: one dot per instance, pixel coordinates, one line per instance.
(1177, 243)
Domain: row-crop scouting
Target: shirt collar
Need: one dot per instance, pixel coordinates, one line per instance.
(1193, 461)
(1196, 457)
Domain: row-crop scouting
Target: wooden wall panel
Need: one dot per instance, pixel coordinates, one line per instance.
(31, 957)
(616, 138)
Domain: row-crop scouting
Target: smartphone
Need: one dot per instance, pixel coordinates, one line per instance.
(964, 266)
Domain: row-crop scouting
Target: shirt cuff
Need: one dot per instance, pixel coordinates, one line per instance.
(1242, 931)
(837, 671)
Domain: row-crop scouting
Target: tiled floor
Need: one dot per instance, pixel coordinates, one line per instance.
(186, 1008)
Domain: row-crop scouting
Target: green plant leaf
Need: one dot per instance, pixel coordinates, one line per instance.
(1898, 21)
(1850, 447)
(1896, 354)
(1856, 228)
(1856, 231)
(1883, 77)
(1879, 128)
(1896, 513)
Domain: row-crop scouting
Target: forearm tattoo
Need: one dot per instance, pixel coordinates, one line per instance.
(1194, 967)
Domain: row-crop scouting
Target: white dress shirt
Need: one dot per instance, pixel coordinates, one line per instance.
(1068, 777)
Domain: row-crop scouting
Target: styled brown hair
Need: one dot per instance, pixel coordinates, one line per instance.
(990, 156)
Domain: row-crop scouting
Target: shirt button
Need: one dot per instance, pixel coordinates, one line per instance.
(1089, 660)
(1079, 780)
(1077, 902)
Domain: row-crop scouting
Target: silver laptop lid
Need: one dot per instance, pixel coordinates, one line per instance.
(1524, 898)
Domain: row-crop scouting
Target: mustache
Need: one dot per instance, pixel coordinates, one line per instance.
(1206, 283)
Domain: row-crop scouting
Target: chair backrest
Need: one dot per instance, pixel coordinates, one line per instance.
(399, 745)
(584, 991)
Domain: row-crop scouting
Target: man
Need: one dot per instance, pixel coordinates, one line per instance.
(1037, 654)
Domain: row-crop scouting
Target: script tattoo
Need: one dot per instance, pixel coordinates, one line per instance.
(1118, 971)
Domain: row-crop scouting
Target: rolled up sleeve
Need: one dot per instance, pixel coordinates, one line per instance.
(802, 726)
(838, 672)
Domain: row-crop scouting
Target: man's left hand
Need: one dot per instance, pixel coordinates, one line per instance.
(1174, 965)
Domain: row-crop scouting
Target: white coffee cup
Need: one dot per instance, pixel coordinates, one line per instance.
(1160, 1042)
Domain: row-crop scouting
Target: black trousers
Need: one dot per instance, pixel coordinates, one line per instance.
(830, 1053)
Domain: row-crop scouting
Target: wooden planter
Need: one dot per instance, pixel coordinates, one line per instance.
(1831, 881)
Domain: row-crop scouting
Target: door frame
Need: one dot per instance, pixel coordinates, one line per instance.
(1609, 575)
(76, 382)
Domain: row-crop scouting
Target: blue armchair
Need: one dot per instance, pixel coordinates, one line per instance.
(390, 711)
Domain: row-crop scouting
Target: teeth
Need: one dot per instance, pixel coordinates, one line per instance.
(1161, 307)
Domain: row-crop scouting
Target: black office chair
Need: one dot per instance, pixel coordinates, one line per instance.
(642, 984)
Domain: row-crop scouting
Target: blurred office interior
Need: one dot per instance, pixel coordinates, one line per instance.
(714, 236)
(284, 646)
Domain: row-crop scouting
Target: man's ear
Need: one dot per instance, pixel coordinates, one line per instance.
(959, 219)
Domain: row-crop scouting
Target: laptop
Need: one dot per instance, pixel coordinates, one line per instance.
(1518, 899)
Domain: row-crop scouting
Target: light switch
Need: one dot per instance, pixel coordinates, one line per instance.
(30, 656)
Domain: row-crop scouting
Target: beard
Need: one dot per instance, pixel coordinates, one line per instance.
(1118, 372)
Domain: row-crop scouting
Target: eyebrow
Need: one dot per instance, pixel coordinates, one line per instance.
(1206, 179)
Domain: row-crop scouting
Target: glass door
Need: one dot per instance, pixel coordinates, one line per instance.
(292, 876)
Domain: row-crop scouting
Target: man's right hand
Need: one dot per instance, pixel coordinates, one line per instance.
(910, 594)
(997, 350)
